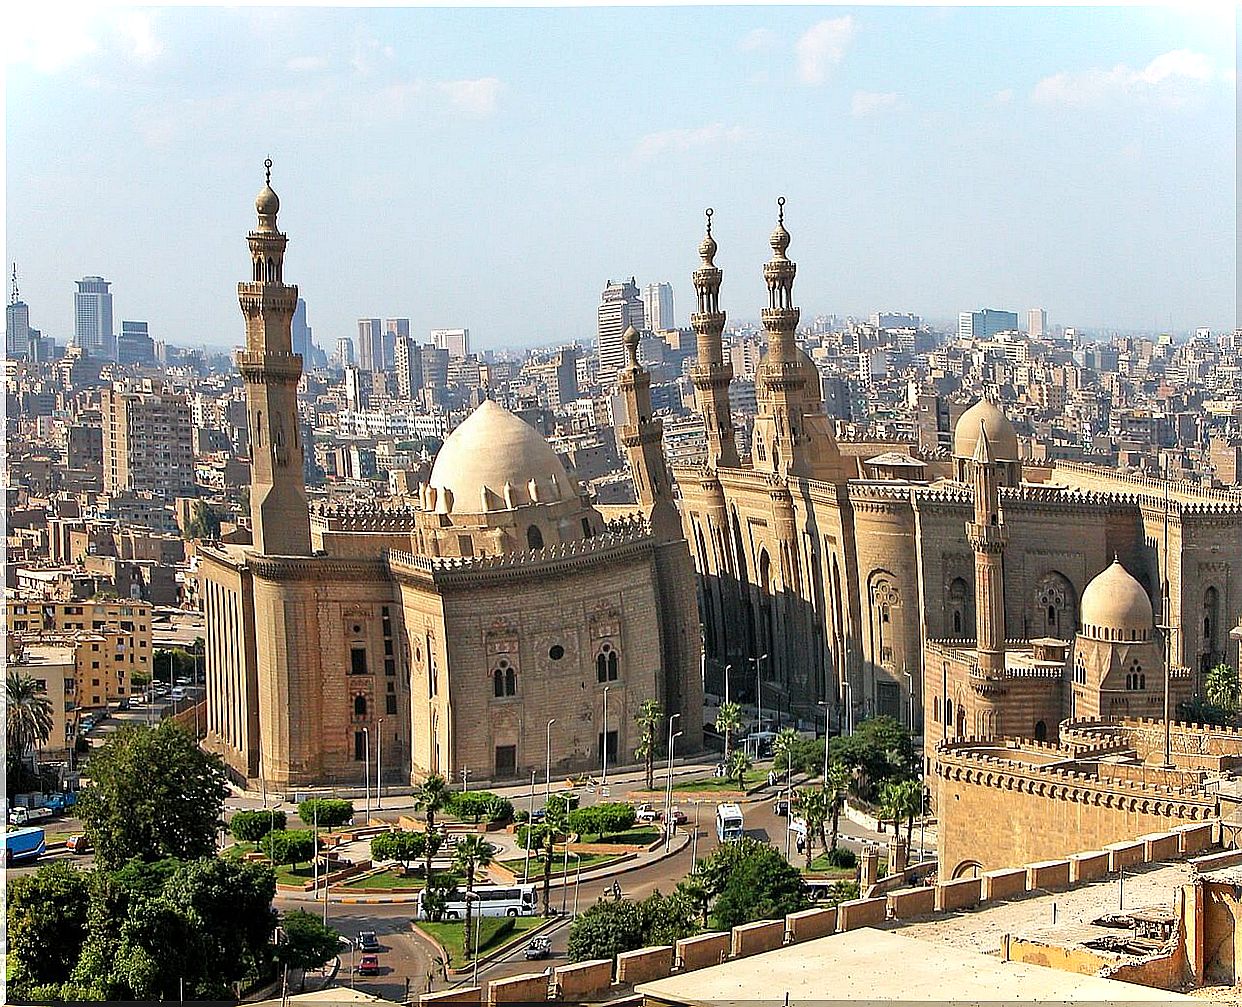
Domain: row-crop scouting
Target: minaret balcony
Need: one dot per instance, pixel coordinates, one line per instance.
(780, 319)
(987, 537)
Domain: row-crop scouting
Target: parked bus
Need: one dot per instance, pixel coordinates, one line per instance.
(728, 822)
(490, 901)
(23, 844)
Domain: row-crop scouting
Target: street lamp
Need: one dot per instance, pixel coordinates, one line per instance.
(530, 824)
(547, 764)
(478, 922)
(728, 668)
(379, 763)
(759, 688)
(668, 793)
(366, 775)
(604, 741)
(824, 704)
(694, 840)
(465, 780)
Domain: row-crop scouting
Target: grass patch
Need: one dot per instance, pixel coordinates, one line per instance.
(238, 850)
(714, 783)
(391, 877)
(589, 860)
(450, 936)
(640, 835)
(57, 837)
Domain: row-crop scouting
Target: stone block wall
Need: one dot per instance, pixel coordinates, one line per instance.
(1124, 855)
(1048, 876)
(861, 913)
(811, 923)
(645, 964)
(1088, 866)
(1004, 884)
(704, 950)
(518, 989)
(752, 938)
(907, 902)
(958, 894)
(1159, 846)
(588, 980)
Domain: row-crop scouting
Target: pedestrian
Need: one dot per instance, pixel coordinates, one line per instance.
(801, 845)
(771, 778)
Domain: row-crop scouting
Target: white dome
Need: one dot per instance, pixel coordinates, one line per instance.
(1116, 603)
(1002, 438)
(496, 461)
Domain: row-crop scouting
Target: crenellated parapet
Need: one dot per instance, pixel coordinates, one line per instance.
(1180, 491)
(365, 518)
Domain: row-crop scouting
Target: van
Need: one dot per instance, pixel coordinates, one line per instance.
(728, 823)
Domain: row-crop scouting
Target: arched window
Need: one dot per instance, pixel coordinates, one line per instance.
(510, 682)
(948, 712)
(1041, 731)
(360, 706)
(959, 601)
(601, 667)
(534, 538)
(271, 270)
(498, 683)
(614, 669)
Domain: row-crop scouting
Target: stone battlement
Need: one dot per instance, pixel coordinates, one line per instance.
(1201, 499)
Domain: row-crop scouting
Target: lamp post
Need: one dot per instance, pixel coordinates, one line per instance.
(379, 764)
(827, 731)
(668, 792)
(849, 707)
(547, 764)
(577, 880)
(604, 742)
(366, 776)
(694, 840)
(728, 668)
(530, 824)
(478, 921)
(759, 688)
(465, 780)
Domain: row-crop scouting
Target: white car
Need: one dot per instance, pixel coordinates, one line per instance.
(646, 814)
(177, 694)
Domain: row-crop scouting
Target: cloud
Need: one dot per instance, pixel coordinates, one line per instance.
(369, 53)
(1168, 79)
(758, 40)
(306, 64)
(45, 40)
(654, 145)
(869, 102)
(474, 97)
(822, 46)
(1003, 97)
(139, 31)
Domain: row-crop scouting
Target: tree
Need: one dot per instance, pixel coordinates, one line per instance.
(251, 826)
(431, 797)
(204, 522)
(473, 851)
(46, 924)
(327, 812)
(836, 784)
(480, 805)
(607, 929)
(403, 845)
(289, 846)
(602, 819)
(878, 750)
(1220, 689)
(154, 794)
(669, 918)
(815, 804)
(762, 887)
(307, 942)
(784, 745)
(738, 766)
(805, 755)
(28, 716)
(907, 801)
(649, 716)
(728, 720)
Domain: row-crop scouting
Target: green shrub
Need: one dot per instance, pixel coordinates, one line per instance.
(291, 847)
(842, 857)
(481, 805)
(251, 826)
(331, 812)
(521, 816)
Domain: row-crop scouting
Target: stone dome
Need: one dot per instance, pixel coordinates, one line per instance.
(1116, 607)
(267, 203)
(495, 461)
(1001, 436)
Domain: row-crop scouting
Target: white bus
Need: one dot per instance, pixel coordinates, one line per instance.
(728, 822)
(493, 901)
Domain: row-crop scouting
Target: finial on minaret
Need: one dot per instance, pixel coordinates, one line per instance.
(267, 165)
(707, 247)
(267, 203)
(631, 345)
(710, 211)
(780, 237)
(780, 202)
(983, 447)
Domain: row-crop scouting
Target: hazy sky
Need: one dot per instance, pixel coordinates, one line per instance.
(493, 168)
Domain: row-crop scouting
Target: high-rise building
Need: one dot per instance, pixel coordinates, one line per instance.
(985, 323)
(16, 323)
(345, 351)
(620, 307)
(134, 344)
(658, 307)
(456, 341)
(435, 366)
(147, 440)
(301, 333)
(370, 344)
(394, 329)
(355, 390)
(408, 365)
(895, 320)
(92, 309)
(1037, 322)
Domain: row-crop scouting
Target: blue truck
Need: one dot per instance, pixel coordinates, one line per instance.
(23, 844)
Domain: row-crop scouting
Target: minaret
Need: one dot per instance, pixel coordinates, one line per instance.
(988, 536)
(279, 516)
(641, 436)
(711, 374)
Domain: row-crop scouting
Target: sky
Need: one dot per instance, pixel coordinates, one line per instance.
(493, 168)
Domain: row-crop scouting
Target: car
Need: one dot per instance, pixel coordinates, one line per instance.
(645, 814)
(78, 844)
(184, 680)
(677, 816)
(538, 947)
(177, 694)
(368, 965)
(368, 941)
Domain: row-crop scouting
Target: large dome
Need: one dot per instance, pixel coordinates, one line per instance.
(496, 461)
(1001, 436)
(1116, 607)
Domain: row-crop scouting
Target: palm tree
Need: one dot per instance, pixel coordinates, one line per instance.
(28, 720)
(1220, 688)
(738, 766)
(728, 720)
(838, 779)
(815, 805)
(431, 797)
(648, 719)
(910, 800)
(473, 851)
(783, 744)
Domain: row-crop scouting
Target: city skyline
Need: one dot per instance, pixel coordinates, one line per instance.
(1066, 146)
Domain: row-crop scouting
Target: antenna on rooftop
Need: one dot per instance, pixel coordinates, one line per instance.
(13, 294)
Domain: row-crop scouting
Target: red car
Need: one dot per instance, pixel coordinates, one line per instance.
(369, 965)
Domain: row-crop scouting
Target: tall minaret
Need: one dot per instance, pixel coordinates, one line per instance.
(711, 374)
(988, 536)
(641, 436)
(279, 516)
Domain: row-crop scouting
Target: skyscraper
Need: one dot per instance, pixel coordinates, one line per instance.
(619, 308)
(345, 351)
(146, 440)
(985, 323)
(394, 329)
(408, 364)
(301, 333)
(658, 306)
(92, 308)
(134, 344)
(1037, 322)
(456, 341)
(370, 344)
(16, 323)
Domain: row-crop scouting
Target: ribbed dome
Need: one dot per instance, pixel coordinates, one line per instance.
(1115, 603)
(490, 463)
(267, 203)
(1001, 436)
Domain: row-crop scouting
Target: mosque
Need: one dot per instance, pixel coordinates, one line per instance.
(500, 624)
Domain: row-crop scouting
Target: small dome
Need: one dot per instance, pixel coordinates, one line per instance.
(267, 203)
(780, 237)
(631, 339)
(1002, 439)
(492, 456)
(1114, 600)
(707, 250)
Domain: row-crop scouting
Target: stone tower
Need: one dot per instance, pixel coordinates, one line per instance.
(793, 435)
(279, 516)
(711, 374)
(988, 535)
(642, 437)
